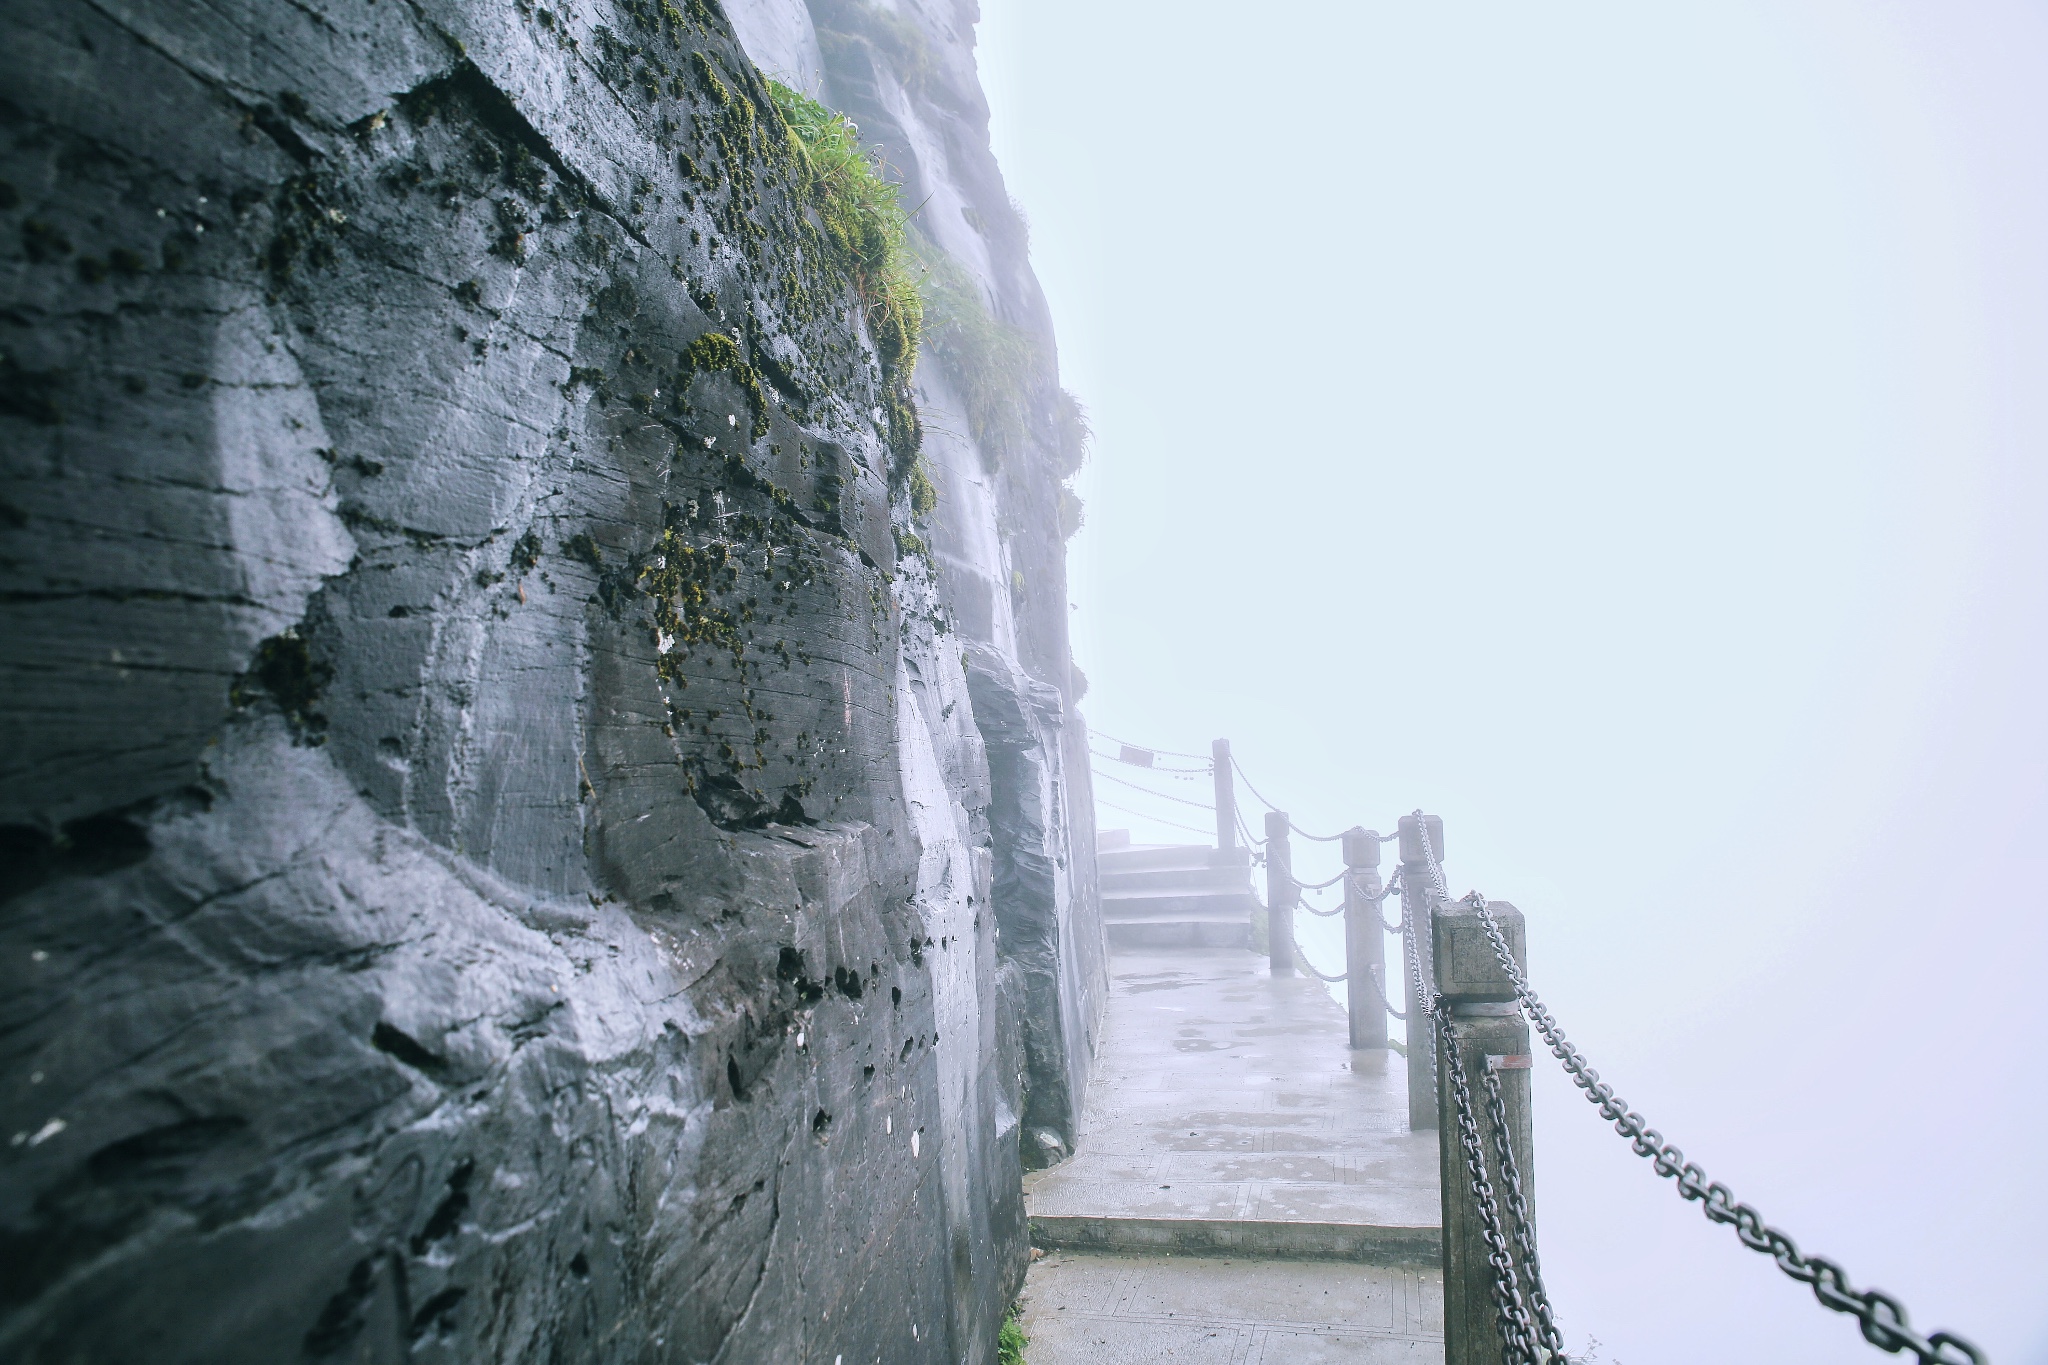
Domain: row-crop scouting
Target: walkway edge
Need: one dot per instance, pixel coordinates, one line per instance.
(1364, 1243)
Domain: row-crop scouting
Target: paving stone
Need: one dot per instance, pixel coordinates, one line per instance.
(1227, 1096)
(1228, 1116)
(1137, 1309)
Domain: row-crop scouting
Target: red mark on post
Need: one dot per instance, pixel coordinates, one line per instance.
(1520, 1063)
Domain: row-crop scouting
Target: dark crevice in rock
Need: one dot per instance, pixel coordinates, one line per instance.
(285, 671)
(406, 1049)
(90, 846)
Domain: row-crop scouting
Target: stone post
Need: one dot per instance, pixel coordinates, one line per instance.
(1281, 893)
(1492, 1036)
(1417, 894)
(1364, 946)
(1226, 793)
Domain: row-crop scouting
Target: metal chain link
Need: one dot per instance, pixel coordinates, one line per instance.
(1519, 1338)
(1261, 796)
(1424, 997)
(1184, 774)
(1517, 1333)
(1170, 753)
(1392, 884)
(1256, 793)
(1881, 1317)
(1436, 869)
(1139, 786)
(1156, 819)
(1302, 958)
(1373, 975)
(1547, 1331)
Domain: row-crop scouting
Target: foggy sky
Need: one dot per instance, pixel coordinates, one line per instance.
(1619, 430)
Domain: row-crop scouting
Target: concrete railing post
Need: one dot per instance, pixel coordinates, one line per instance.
(1281, 894)
(1417, 893)
(1364, 949)
(1492, 1036)
(1226, 793)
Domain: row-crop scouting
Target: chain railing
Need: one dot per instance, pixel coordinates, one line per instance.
(1513, 1284)
(1318, 972)
(1522, 1317)
(1163, 796)
(1147, 815)
(1883, 1319)
(1517, 1332)
(1379, 991)
(1545, 1330)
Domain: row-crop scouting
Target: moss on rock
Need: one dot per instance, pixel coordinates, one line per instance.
(862, 215)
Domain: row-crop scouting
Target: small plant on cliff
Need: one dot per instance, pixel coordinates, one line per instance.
(993, 364)
(1002, 373)
(1011, 1341)
(864, 221)
(843, 24)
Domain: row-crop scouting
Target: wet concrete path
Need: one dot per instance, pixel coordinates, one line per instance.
(1243, 1180)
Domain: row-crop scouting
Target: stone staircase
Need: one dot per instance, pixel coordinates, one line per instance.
(1174, 895)
(1244, 1187)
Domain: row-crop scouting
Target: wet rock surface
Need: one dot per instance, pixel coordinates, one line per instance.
(502, 859)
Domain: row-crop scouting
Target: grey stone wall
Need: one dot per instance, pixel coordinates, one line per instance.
(503, 858)
(905, 71)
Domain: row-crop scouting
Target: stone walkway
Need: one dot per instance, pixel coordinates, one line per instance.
(1228, 1122)
(1136, 1310)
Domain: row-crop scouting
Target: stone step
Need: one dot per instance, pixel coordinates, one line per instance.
(1154, 934)
(1168, 857)
(1229, 1119)
(1136, 905)
(1278, 1239)
(1088, 1308)
(1153, 880)
(1234, 1174)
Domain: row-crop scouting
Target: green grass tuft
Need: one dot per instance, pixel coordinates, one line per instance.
(924, 496)
(994, 365)
(1011, 1341)
(1001, 372)
(864, 222)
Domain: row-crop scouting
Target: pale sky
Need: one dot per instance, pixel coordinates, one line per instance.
(1619, 430)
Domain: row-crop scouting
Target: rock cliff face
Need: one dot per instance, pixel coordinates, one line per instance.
(528, 835)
